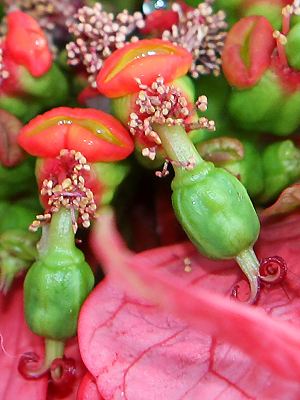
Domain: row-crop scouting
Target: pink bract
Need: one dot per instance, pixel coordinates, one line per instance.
(198, 343)
(17, 339)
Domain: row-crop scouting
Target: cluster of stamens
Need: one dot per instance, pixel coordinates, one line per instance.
(97, 34)
(202, 33)
(164, 105)
(49, 13)
(70, 193)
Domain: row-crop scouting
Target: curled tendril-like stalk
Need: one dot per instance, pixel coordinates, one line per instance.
(30, 367)
(240, 291)
(271, 271)
(63, 375)
(62, 371)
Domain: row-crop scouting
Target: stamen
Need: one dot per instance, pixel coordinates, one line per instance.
(281, 41)
(287, 12)
(164, 172)
(163, 104)
(97, 34)
(202, 33)
(68, 190)
(49, 13)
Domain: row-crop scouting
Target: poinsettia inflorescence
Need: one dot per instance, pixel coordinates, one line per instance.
(97, 34)
(164, 104)
(69, 191)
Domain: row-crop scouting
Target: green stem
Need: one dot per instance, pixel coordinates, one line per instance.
(59, 236)
(53, 349)
(249, 264)
(178, 146)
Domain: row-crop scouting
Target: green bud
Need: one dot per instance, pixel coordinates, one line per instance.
(287, 119)
(51, 88)
(268, 10)
(252, 108)
(281, 167)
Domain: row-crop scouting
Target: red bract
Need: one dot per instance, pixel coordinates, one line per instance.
(247, 52)
(136, 350)
(88, 389)
(27, 44)
(15, 339)
(144, 60)
(97, 135)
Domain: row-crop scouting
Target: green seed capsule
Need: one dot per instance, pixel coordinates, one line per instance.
(215, 211)
(57, 283)
(53, 296)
